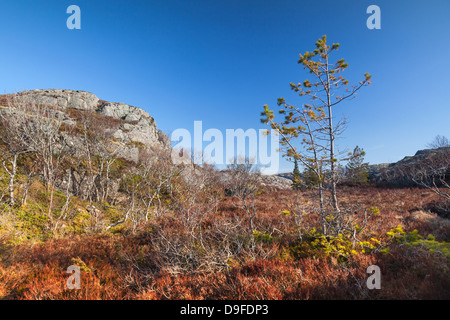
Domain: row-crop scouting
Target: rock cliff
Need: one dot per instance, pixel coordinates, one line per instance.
(392, 173)
(136, 127)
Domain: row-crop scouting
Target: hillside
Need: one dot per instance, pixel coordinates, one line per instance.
(396, 173)
(91, 184)
(127, 125)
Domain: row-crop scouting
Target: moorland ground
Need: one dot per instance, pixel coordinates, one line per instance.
(149, 262)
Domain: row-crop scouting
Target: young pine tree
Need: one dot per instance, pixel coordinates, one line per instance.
(296, 177)
(357, 169)
(313, 125)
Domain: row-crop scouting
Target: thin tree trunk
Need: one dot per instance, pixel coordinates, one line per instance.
(50, 205)
(331, 137)
(12, 176)
(322, 211)
(11, 180)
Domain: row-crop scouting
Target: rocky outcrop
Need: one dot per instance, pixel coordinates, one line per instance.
(136, 129)
(63, 99)
(125, 112)
(262, 180)
(276, 181)
(375, 171)
(393, 173)
(420, 156)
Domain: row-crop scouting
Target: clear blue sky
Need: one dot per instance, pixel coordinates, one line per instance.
(221, 61)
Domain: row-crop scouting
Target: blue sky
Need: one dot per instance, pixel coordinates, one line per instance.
(221, 61)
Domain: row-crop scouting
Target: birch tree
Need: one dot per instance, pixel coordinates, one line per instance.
(98, 154)
(40, 129)
(12, 137)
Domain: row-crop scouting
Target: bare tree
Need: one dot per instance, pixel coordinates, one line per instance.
(160, 177)
(146, 184)
(13, 138)
(195, 205)
(243, 185)
(96, 155)
(431, 172)
(439, 142)
(40, 133)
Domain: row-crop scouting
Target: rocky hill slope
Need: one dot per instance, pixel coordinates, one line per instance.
(134, 128)
(395, 173)
(130, 127)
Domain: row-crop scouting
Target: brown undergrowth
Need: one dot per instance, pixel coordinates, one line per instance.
(152, 263)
